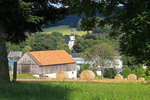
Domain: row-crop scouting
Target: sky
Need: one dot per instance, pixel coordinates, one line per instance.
(56, 5)
(59, 5)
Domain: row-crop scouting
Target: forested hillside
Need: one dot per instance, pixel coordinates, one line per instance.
(39, 42)
(71, 21)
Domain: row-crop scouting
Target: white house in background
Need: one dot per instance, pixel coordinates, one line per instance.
(71, 40)
(47, 63)
(116, 63)
(79, 61)
(14, 54)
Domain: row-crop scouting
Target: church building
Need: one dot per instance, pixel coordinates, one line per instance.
(71, 40)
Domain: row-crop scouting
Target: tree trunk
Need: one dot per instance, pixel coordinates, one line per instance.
(4, 70)
(102, 72)
(87, 32)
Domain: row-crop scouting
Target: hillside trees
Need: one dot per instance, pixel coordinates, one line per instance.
(64, 47)
(131, 22)
(20, 17)
(81, 45)
(89, 40)
(38, 42)
(26, 49)
(44, 42)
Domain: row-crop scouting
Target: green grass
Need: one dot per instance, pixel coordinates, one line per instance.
(74, 91)
(23, 76)
(64, 29)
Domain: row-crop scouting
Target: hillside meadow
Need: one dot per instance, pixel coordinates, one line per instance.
(64, 29)
(60, 90)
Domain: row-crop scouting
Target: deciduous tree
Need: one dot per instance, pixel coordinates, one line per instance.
(100, 55)
(19, 17)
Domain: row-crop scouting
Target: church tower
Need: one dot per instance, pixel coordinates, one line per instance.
(71, 40)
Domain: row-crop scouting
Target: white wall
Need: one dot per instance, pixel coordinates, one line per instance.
(71, 74)
(36, 75)
(144, 67)
(98, 73)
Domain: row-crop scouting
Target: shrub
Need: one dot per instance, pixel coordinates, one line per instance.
(132, 72)
(110, 72)
(140, 72)
(126, 71)
(147, 77)
(147, 71)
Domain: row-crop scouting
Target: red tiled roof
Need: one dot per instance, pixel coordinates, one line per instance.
(51, 57)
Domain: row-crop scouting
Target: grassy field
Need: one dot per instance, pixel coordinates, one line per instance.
(64, 29)
(23, 76)
(74, 91)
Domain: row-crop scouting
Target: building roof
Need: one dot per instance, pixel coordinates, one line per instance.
(13, 54)
(51, 57)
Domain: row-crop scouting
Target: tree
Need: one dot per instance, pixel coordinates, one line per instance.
(131, 21)
(82, 44)
(88, 23)
(140, 72)
(12, 47)
(90, 36)
(64, 47)
(128, 61)
(44, 42)
(79, 25)
(101, 55)
(78, 47)
(99, 30)
(26, 49)
(147, 71)
(20, 17)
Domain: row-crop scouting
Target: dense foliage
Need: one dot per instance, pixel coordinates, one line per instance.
(139, 72)
(40, 42)
(131, 21)
(128, 61)
(29, 16)
(110, 72)
(126, 71)
(147, 71)
(100, 55)
(89, 40)
(21, 17)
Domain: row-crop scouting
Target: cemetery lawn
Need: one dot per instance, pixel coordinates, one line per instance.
(74, 91)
